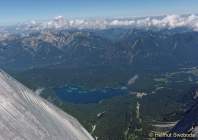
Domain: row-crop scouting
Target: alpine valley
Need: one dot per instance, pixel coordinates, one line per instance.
(123, 79)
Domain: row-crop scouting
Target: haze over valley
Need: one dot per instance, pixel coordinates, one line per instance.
(119, 77)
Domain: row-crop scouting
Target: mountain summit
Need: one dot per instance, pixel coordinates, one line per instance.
(26, 116)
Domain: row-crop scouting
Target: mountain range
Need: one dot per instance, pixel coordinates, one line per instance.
(160, 22)
(153, 60)
(135, 48)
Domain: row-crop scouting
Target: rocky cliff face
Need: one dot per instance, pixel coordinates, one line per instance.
(186, 128)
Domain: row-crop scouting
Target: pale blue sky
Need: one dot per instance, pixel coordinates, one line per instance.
(13, 11)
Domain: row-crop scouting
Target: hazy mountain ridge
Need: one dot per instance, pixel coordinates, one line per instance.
(160, 22)
(130, 47)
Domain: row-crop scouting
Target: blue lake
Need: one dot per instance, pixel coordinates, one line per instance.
(79, 95)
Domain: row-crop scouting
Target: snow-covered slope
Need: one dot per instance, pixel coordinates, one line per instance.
(26, 116)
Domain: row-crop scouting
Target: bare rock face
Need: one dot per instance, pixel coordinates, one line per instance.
(26, 116)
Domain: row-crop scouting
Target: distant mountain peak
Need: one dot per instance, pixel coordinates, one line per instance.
(161, 22)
